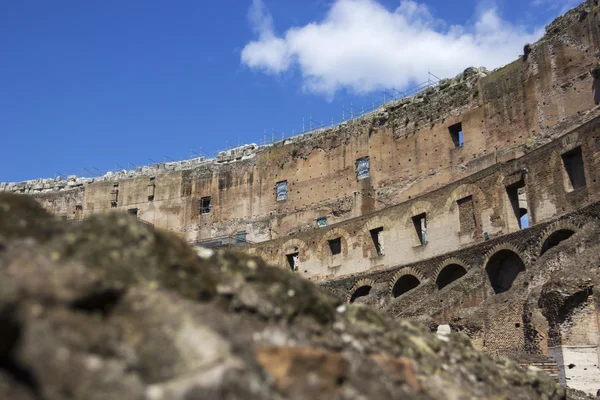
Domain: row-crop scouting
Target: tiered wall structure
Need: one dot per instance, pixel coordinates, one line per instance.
(530, 151)
(504, 114)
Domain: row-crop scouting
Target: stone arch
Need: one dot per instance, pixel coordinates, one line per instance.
(449, 271)
(358, 290)
(259, 253)
(405, 280)
(323, 247)
(419, 207)
(503, 264)
(269, 259)
(377, 221)
(461, 192)
(293, 246)
(365, 237)
(570, 142)
(555, 234)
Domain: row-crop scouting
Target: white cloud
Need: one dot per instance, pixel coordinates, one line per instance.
(362, 46)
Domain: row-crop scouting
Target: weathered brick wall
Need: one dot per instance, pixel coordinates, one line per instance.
(508, 324)
(504, 114)
(544, 193)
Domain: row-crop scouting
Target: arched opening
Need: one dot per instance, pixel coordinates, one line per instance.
(360, 292)
(555, 239)
(404, 284)
(449, 274)
(503, 268)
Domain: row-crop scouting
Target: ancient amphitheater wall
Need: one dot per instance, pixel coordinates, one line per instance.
(442, 135)
(552, 180)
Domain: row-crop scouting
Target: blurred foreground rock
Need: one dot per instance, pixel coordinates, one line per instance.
(110, 309)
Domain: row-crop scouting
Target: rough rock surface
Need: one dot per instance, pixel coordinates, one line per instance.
(110, 309)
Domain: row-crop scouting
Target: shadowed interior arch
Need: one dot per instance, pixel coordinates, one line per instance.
(503, 268)
(404, 284)
(360, 292)
(449, 274)
(555, 238)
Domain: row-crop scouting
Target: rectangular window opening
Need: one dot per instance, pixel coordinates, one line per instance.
(293, 261)
(335, 245)
(573, 162)
(321, 222)
(240, 237)
(281, 190)
(362, 168)
(456, 133)
(133, 211)
(114, 194)
(420, 223)
(377, 237)
(151, 189)
(466, 215)
(205, 205)
(517, 197)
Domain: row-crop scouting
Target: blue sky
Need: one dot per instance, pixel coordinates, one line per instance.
(99, 85)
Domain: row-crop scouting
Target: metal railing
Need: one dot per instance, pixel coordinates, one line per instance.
(223, 241)
(353, 113)
(308, 126)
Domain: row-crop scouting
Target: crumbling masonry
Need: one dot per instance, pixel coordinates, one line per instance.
(473, 204)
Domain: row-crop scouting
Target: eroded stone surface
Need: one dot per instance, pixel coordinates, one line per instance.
(130, 313)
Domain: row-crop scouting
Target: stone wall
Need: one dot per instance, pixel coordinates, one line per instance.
(490, 204)
(549, 306)
(503, 115)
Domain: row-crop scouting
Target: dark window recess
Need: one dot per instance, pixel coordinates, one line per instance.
(573, 162)
(114, 195)
(113, 204)
(362, 168)
(281, 190)
(335, 245)
(321, 222)
(420, 223)
(293, 261)
(151, 189)
(133, 211)
(456, 133)
(377, 238)
(449, 274)
(78, 207)
(205, 205)
(555, 239)
(360, 292)
(405, 284)
(518, 202)
(502, 269)
(466, 215)
(240, 237)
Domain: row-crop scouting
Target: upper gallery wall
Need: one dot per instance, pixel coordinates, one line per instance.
(413, 146)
